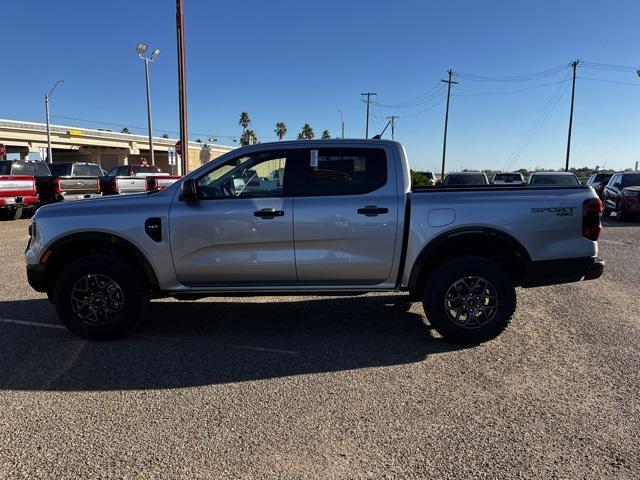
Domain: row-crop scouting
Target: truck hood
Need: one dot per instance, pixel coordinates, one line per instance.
(121, 204)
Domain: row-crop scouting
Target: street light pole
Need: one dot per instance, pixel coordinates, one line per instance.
(141, 49)
(149, 122)
(341, 122)
(47, 96)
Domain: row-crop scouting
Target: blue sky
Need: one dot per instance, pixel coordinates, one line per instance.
(300, 62)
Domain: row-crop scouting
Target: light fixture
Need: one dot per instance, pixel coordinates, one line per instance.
(155, 54)
(141, 48)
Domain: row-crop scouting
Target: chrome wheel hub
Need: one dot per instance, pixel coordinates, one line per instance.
(471, 302)
(97, 299)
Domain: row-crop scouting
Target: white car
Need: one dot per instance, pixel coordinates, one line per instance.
(553, 178)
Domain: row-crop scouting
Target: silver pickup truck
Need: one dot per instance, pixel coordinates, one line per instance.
(313, 217)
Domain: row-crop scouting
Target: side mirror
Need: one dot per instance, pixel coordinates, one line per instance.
(189, 190)
(617, 184)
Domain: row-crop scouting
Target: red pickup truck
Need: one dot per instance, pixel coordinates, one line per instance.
(18, 193)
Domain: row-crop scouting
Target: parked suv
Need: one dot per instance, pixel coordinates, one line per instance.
(598, 181)
(622, 195)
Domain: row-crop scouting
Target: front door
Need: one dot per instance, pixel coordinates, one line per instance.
(240, 230)
(346, 216)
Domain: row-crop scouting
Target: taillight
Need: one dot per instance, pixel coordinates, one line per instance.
(152, 184)
(591, 226)
(114, 185)
(56, 185)
(98, 186)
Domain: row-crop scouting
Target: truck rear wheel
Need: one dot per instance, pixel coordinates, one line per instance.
(469, 299)
(14, 214)
(100, 297)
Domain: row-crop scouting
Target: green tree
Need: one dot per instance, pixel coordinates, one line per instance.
(244, 121)
(306, 133)
(125, 130)
(248, 137)
(281, 130)
(325, 135)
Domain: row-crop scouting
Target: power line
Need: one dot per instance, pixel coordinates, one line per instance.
(427, 97)
(539, 121)
(608, 66)
(608, 81)
(438, 102)
(510, 92)
(513, 78)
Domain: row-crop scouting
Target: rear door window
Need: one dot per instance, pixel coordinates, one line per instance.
(343, 171)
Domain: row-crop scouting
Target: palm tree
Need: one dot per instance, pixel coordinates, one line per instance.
(245, 121)
(165, 135)
(125, 130)
(326, 135)
(248, 137)
(281, 130)
(306, 133)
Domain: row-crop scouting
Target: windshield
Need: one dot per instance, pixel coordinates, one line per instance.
(60, 169)
(602, 177)
(464, 180)
(17, 168)
(630, 180)
(554, 180)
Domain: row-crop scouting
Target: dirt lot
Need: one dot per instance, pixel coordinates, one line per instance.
(315, 387)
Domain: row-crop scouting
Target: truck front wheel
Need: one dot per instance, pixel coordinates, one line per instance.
(469, 299)
(100, 297)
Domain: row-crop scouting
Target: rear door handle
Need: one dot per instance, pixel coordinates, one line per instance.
(372, 210)
(268, 213)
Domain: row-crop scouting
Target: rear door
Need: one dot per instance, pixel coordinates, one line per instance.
(346, 216)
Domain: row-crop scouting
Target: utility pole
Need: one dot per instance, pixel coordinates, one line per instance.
(449, 82)
(393, 124)
(182, 92)
(368, 95)
(573, 93)
(141, 49)
(47, 96)
(341, 122)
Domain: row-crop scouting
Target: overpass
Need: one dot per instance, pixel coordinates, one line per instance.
(104, 147)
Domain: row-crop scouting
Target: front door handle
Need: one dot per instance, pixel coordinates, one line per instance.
(372, 211)
(268, 213)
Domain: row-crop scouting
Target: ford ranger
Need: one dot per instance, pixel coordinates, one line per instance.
(313, 217)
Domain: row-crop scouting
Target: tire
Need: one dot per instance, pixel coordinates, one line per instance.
(120, 297)
(606, 212)
(620, 215)
(496, 302)
(11, 214)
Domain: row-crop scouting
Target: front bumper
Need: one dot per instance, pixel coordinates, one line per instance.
(36, 277)
(552, 272)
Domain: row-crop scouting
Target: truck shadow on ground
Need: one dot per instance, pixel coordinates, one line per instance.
(186, 344)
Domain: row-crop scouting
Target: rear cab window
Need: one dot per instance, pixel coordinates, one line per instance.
(342, 171)
(60, 169)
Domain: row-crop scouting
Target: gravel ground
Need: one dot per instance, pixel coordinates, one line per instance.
(316, 387)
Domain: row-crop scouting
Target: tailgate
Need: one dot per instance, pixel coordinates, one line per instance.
(131, 184)
(17, 185)
(79, 185)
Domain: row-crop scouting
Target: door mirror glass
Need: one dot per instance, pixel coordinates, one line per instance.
(189, 190)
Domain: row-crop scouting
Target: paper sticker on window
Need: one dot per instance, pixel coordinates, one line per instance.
(313, 159)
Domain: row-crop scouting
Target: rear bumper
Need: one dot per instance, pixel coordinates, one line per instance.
(36, 277)
(552, 272)
(12, 203)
